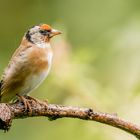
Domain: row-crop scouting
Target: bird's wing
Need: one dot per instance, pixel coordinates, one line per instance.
(14, 74)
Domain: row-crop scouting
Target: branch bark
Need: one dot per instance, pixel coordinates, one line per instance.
(8, 112)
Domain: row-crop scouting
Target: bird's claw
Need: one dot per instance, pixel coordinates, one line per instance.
(26, 103)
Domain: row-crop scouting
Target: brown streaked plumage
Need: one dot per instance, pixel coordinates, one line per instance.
(30, 64)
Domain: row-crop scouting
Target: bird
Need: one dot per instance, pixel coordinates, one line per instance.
(29, 65)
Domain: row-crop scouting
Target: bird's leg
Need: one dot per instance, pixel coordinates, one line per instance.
(26, 103)
(37, 101)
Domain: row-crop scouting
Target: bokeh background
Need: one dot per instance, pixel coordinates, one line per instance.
(96, 63)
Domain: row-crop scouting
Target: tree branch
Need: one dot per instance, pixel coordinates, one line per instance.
(8, 112)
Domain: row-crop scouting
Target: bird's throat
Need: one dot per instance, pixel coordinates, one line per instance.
(43, 45)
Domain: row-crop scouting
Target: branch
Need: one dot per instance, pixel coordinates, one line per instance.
(8, 112)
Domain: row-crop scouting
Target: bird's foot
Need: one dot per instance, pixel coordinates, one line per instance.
(25, 99)
(26, 103)
(37, 101)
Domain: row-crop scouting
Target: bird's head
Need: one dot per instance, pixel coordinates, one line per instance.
(41, 33)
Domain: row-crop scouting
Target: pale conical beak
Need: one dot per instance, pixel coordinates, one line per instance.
(54, 32)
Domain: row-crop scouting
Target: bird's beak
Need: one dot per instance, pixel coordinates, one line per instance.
(54, 32)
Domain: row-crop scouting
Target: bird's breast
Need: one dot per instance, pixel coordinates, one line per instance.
(40, 65)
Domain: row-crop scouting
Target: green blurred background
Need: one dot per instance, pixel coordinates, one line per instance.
(96, 63)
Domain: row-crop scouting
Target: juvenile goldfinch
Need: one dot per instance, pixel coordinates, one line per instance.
(30, 63)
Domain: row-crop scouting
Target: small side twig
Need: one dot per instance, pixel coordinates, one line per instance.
(8, 112)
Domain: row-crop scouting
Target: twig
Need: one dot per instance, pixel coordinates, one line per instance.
(8, 112)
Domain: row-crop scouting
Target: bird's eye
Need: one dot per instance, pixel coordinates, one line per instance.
(44, 32)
